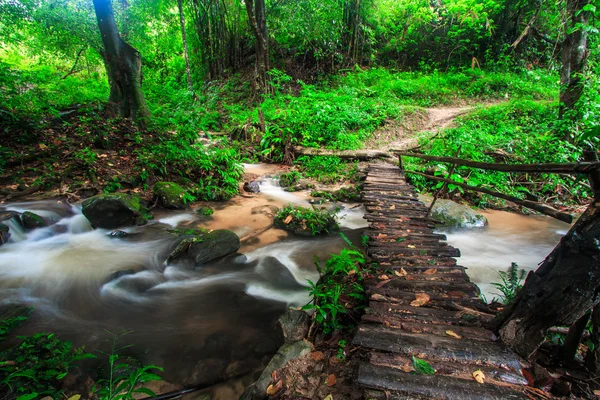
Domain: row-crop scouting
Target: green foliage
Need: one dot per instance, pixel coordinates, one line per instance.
(512, 282)
(341, 352)
(518, 131)
(38, 363)
(288, 179)
(124, 374)
(340, 284)
(422, 367)
(85, 156)
(12, 320)
(213, 173)
(312, 221)
(326, 169)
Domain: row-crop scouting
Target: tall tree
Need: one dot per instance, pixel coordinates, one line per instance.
(124, 69)
(574, 55)
(186, 56)
(257, 17)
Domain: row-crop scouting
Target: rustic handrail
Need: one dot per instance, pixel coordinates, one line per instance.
(544, 209)
(560, 168)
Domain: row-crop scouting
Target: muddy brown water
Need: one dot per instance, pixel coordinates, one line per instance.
(217, 321)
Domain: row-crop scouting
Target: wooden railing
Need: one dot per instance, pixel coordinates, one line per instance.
(591, 167)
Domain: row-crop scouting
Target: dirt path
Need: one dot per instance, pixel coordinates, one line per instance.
(399, 137)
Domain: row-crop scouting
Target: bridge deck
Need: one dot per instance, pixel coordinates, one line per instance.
(422, 304)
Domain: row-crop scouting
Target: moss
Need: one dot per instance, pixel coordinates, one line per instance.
(31, 220)
(171, 195)
(113, 210)
(288, 179)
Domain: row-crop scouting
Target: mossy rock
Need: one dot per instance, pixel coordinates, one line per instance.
(457, 216)
(114, 210)
(306, 221)
(205, 211)
(171, 195)
(30, 220)
(203, 247)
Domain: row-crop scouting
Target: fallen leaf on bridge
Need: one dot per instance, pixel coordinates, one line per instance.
(430, 271)
(401, 273)
(479, 376)
(421, 298)
(331, 380)
(453, 334)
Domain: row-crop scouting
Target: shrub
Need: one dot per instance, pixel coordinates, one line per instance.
(290, 178)
(306, 221)
(327, 169)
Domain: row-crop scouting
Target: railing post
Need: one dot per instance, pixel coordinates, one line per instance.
(594, 175)
(400, 162)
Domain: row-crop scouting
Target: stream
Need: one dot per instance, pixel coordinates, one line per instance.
(206, 324)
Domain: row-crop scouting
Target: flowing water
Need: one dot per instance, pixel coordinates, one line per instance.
(217, 321)
(201, 325)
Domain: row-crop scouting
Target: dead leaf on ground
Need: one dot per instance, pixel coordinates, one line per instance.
(401, 273)
(453, 334)
(331, 380)
(411, 246)
(352, 272)
(317, 355)
(393, 207)
(328, 397)
(288, 219)
(274, 389)
(430, 271)
(383, 277)
(479, 376)
(421, 298)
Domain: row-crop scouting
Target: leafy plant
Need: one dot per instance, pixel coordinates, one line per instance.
(512, 282)
(125, 374)
(301, 220)
(38, 363)
(338, 287)
(85, 156)
(341, 352)
(290, 178)
(422, 367)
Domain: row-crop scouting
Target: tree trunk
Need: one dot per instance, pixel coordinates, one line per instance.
(188, 73)
(258, 21)
(574, 57)
(123, 67)
(564, 287)
(592, 359)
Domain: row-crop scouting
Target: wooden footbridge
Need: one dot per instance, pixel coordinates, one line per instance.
(424, 307)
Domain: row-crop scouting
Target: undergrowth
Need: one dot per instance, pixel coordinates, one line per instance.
(338, 295)
(521, 131)
(306, 221)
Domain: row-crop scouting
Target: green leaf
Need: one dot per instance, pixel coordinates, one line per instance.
(145, 391)
(422, 367)
(29, 396)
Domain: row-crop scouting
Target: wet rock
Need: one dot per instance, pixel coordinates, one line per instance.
(294, 324)
(205, 247)
(9, 215)
(111, 211)
(277, 273)
(4, 234)
(171, 195)
(455, 216)
(119, 274)
(119, 234)
(302, 184)
(268, 210)
(30, 220)
(252, 187)
(286, 353)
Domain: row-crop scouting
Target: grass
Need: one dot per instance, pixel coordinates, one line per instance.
(517, 131)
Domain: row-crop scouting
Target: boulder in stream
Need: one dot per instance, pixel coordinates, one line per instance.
(30, 220)
(171, 195)
(294, 325)
(111, 211)
(455, 216)
(4, 234)
(206, 246)
(252, 187)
